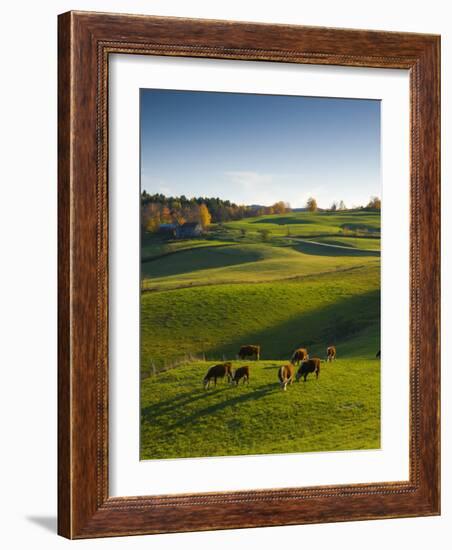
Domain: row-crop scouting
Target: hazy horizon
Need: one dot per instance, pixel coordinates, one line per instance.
(260, 149)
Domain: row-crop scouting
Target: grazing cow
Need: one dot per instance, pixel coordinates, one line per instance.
(250, 351)
(285, 375)
(311, 365)
(378, 354)
(331, 353)
(299, 355)
(218, 371)
(241, 373)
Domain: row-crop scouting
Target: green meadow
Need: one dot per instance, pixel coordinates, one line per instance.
(279, 281)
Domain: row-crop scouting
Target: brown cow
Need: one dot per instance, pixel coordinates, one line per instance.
(218, 371)
(310, 365)
(331, 353)
(241, 373)
(285, 375)
(250, 351)
(299, 355)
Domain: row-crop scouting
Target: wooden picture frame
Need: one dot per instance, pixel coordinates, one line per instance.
(86, 40)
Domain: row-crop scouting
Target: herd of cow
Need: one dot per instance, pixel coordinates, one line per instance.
(286, 373)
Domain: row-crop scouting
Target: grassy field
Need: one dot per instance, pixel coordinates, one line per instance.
(339, 411)
(362, 243)
(305, 224)
(249, 263)
(316, 284)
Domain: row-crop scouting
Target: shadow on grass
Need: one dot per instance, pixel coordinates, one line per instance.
(252, 395)
(324, 250)
(353, 226)
(197, 259)
(153, 412)
(316, 329)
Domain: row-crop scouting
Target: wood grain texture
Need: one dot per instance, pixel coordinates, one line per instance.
(85, 42)
(64, 295)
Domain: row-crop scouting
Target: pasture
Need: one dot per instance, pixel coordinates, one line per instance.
(312, 280)
(339, 411)
(305, 224)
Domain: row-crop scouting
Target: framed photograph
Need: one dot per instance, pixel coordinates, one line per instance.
(248, 275)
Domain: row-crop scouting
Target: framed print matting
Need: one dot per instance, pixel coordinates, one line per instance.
(176, 249)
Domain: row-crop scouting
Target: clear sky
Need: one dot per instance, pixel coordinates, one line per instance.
(259, 149)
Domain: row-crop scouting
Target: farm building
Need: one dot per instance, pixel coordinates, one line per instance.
(168, 229)
(189, 230)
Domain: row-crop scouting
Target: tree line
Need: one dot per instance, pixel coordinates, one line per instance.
(159, 209)
(373, 204)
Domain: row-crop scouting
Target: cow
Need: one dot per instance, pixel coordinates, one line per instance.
(378, 354)
(285, 375)
(299, 355)
(331, 353)
(218, 371)
(241, 373)
(310, 365)
(250, 351)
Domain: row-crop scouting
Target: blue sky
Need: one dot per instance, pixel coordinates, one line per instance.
(259, 149)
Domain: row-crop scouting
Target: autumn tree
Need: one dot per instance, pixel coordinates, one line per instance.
(374, 203)
(144, 217)
(150, 217)
(175, 205)
(183, 209)
(269, 210)
(204, 216)
(153, 224)
(179, 217)
(311, 204)
(190, 214)
(279, 207)
(166, 215)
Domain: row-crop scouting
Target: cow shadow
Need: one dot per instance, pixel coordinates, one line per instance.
(151, 413)
(252, 395)
(162, 408)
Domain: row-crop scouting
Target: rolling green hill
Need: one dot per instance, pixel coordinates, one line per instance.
(313, 285)
(361, 243)
(312, 223)
(216, 319)
(241, 263)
